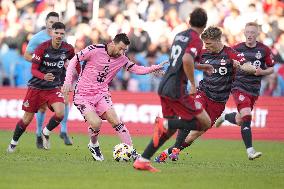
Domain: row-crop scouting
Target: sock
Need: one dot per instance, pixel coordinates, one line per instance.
(182, 134)
(19, 130)
(40, 116)
(246, 131)
(182, 124)
(93, 134)
(64, 121)
(151, 150)
(53, 122)
(231, 117)
(123, 134)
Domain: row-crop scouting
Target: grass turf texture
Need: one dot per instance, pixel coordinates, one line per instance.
(208, 164)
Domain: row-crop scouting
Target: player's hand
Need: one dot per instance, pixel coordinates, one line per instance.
(209, 69)
(163, 64)
(258, 71)
(49, 77)
(66, 88)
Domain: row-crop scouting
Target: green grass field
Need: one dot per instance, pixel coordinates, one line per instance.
(208, 164)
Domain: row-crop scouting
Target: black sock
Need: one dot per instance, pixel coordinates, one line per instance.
(151, 150)
(182, 134)
(246, 131)
(19, 130)
(182, 124)
(231, 117)
(53, 122)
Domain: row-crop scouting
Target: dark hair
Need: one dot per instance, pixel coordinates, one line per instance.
(58, 25)
(121, 37)
(54, 14)
(198, 18)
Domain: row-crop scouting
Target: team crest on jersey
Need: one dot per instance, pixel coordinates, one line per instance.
(63, 57)
(223, 62)
(241, 97)
(258, 55)
(26, 104)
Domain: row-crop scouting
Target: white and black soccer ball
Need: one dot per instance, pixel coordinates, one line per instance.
(122, 152)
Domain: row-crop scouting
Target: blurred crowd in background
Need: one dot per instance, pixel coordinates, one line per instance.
(150, 24)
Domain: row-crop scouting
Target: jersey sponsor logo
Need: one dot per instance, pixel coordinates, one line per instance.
(181, 38)
(26, 104)
(59, 64)
(194, 51)
(46, 56)
(198, 105)
(241, 97)
(258, 55)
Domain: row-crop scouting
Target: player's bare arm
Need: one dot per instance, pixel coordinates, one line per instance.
(188, 67)
(267, 71)
(28, 56)
(209, 69)
(247, 67)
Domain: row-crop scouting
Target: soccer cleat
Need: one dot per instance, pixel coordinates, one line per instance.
(135, 154)
(144, 166)
(96, 152)
(174, 155)
(161, 158)
(45, 141)
(66, 138)
(39, 143)
(219, 121)
(254, 155)
(11, 148)
(158, 131)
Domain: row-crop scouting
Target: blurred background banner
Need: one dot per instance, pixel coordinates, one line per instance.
(138, 112)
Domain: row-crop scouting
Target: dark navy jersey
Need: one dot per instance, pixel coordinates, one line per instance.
(51, 60)
(259, 56)
(174, 82)
(217, 86)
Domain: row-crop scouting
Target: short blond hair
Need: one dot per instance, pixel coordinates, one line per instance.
(252, 24)
(212, 32)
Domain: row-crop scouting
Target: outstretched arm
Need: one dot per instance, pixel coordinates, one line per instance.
(141, 70)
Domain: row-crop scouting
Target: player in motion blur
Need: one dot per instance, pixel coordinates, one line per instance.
(35, 41)
(180, 110)
(245, 89)
(214, 89)
(44, 87)
(92, 96)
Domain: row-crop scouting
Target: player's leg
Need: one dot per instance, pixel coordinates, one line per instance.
(63, 130)
(19, 130)
(40, 116)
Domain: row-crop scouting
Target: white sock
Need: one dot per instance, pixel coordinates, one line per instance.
(46, 132)
(94, 145)
(166, 151)
(143, 159)
(165, 124)
(250, 150)
(14, 142)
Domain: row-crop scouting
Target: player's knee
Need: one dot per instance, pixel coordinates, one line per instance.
(59, 114)
(95, 123)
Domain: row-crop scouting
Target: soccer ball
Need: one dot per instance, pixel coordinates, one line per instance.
(122, 152)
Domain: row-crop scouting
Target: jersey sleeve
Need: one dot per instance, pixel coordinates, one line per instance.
(269, 60)
(194, 49)
(37, 56)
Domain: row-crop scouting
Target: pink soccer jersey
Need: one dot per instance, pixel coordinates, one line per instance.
(99, 69)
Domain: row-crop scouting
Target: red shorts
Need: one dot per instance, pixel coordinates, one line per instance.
(243, 99)
(185, 107)
(213, 108)
(35, 98)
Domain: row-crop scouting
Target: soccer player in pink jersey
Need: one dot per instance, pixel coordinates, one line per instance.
(92, 96)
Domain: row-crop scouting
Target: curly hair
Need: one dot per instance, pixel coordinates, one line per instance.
(212, 32)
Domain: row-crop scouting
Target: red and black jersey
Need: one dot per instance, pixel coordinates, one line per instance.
(50, 60)
(174, 82)
(217, 86)
(259, 56)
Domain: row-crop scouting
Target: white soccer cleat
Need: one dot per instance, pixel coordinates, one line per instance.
(96, 152)
(11, 148)
(219, 121)
(45, 141)
(253, 155)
